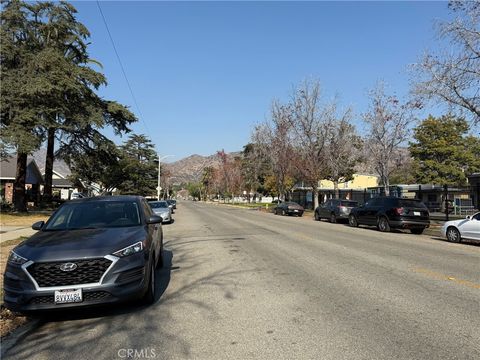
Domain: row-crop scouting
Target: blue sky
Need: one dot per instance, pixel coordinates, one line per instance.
(204, 73)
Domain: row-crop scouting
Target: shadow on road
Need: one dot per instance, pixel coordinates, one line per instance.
(463, 242)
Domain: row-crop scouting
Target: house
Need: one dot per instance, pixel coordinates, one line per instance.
(62, 187)
(33, 181)
(353, 189)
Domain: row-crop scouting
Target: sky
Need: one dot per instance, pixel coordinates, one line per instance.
(205, 73)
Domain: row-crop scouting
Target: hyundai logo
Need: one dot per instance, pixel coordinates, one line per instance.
(68, 267)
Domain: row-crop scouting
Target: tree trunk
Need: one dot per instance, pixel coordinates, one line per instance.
(335, 189)
(315, 197)
(386, 186)
(47, 190)
(19, 194)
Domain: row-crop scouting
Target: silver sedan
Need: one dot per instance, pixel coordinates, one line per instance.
(162, 209)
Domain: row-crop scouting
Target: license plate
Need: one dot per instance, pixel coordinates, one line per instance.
(416, 213)
(68, 296)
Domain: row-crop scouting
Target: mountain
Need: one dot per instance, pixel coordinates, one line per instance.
(190, 169)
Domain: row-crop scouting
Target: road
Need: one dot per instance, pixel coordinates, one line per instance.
(243, 284)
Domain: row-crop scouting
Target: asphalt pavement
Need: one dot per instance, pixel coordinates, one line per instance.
(244, 284)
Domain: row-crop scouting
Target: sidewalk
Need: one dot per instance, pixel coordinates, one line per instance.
(14, 232)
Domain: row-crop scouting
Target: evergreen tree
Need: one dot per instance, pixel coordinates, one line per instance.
(443, 151)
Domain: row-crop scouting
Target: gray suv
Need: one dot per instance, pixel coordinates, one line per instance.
(335, 210)
(91, 251)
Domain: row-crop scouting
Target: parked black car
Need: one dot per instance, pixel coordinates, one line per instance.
(335, 210)
(289, 208)
(91, 251)
(390, 212)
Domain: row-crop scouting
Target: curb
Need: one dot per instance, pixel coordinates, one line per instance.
(10, 340)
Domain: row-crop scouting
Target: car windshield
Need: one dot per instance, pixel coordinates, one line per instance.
(94, 214)
(158, 204)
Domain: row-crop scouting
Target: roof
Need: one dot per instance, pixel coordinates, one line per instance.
(59, 166)
(62, 183)
(8, 170)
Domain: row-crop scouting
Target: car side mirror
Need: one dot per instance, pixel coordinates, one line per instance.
(154, 219)
(468, 217)
(38, 225)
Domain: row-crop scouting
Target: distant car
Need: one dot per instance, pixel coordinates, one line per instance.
(289, 208)
(391, 212)
(161, 208)
(335, 210)
(172, 202)
(91, 251)
(468, 228)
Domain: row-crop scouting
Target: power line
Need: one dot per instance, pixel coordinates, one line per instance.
(123, 69)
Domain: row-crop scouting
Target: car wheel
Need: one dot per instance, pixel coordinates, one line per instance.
(453, 235)
(300, 215)
(352, 221)
(333, 218)
(417, 231)
(317, 217)
(149, 296)
(383, 225)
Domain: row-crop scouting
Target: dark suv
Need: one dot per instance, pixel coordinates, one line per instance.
(335, 210)
(390, 212)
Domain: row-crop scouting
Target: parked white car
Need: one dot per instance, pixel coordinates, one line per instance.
(457, 230)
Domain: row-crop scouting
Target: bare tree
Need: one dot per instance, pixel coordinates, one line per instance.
(310, 122)
(343, 150)
(453, 76)
(273, 142)
(388, 124)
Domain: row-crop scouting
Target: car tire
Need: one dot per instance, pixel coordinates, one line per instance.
(333, 218)
(453, 235)
(352, 221)
(149, 296)
(417, 231)
(317, 216)
(382, 224)
(300, 215)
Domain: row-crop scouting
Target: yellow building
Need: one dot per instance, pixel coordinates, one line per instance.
(359, 181)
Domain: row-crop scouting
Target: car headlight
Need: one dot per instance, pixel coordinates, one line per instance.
(16, 259)
(129, 250)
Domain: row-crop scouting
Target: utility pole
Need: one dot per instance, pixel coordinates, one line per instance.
(158, 183)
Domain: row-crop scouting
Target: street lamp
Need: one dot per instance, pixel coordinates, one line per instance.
(160, 158)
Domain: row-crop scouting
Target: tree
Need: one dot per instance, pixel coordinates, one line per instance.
(273, 142)
(453, 76)
(141, 165)
(388, 123)
(48, 89)
(311, 122)
(254, 168)
(21, 120)
(342, 151)
(443, 152)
